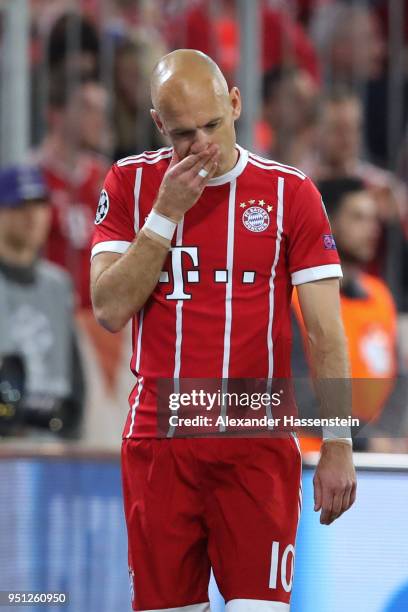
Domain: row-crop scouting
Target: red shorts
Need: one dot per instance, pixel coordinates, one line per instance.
(229, 504)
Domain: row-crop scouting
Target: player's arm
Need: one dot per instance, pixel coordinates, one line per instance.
(121, 284)
(335, 478)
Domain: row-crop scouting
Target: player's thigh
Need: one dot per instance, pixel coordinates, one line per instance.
(168, 559)
(253, 516)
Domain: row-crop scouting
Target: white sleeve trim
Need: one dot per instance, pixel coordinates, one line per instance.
(311, 274)
(112, 246)
(256, 605)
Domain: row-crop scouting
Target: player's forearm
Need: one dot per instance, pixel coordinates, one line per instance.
(122, 289)
(331, 370)
(328, 352)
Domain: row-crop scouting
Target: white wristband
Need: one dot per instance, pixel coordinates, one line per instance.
(336, 432)
(348, 441)
(340, 434)
(161, 225)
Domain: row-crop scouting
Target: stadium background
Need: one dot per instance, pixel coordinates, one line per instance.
(82, 66)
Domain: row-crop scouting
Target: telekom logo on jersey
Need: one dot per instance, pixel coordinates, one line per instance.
(193, 276)
(177, 269)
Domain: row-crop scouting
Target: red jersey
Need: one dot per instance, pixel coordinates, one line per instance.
(73, 200)
(221, 308)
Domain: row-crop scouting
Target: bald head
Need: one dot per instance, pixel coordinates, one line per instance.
(193, 107)
(183, 73)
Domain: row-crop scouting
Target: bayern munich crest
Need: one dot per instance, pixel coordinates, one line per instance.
(103, 207)
(256, 218)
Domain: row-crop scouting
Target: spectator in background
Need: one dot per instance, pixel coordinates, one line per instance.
(214, 29)
(74, 46)
(134, 132)
(368, 309)
(70, 156)
(339, 148)
(339, 152)
(36, 312)
(387, 98)
(350, 42)
(60, 42)
(287, 130)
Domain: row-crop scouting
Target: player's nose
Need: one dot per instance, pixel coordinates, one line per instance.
(202, 140)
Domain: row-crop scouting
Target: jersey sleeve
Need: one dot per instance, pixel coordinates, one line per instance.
(114, 225)
(312, 253)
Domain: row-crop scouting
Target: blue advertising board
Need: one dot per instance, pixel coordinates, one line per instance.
(63, 529)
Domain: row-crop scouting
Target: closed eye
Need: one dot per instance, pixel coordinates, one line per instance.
(185, 134)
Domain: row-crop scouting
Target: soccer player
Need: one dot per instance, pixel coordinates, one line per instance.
(199, 244)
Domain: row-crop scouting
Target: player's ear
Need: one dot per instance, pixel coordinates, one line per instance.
(159, 123)
(235, 100)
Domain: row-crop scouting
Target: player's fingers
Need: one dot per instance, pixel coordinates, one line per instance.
(213, 169)
(187, 163)
(342, 500)
(337, 507)
(353, 494)
(207, 171)
(202, 179)
(204, 161)
(346, 500)
(192, 163)
(327, 507)
(174, 159)
(317, 487)
(337, 504)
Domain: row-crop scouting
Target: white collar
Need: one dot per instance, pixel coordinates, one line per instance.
(234, 172)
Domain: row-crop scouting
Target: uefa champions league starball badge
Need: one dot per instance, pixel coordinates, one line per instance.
(256, 218)
(103, 207)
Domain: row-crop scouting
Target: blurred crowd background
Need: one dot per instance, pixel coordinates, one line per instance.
(325, 88)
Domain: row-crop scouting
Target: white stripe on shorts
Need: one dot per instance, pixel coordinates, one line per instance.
(256, 605)
(203, 607)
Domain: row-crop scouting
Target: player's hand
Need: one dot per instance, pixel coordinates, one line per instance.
(182, 185)
(334, 481)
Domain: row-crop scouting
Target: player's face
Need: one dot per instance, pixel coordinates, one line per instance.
(340, 132)
(356, 227)
(25, 228)
(204, 117)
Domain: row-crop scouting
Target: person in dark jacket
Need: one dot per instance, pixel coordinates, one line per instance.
(41, 377)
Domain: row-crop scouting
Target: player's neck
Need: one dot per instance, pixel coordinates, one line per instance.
(229, 163)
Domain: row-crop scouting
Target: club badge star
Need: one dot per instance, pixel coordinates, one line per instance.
(261, 202)
(242, 205)
(269, 208)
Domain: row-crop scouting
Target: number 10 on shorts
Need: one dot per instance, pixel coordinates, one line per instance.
(279, 566)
